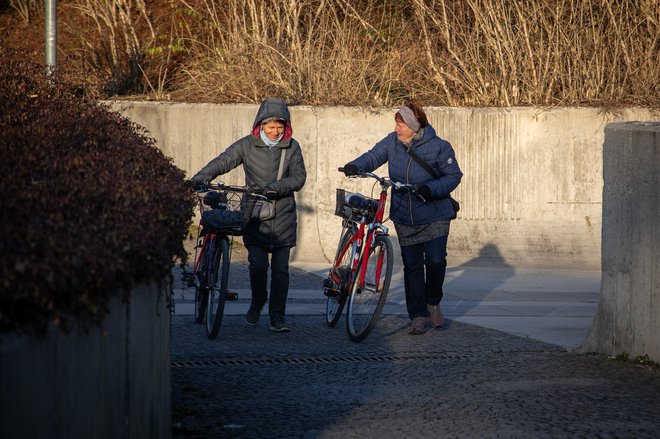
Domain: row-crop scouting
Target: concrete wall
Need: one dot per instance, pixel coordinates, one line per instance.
(627, 316)
(110, 383)
(531, 194)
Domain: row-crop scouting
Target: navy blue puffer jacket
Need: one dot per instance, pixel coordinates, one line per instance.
(406, 208)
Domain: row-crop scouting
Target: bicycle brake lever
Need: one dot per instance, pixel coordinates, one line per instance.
(421, 197)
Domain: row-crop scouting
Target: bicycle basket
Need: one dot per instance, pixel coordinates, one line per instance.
(341, 208)
(221, 213)
(359, 205)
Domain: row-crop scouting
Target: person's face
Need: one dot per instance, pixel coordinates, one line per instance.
(273, 129)
(403, 133)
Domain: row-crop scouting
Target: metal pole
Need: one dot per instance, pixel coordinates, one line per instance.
(51, 35)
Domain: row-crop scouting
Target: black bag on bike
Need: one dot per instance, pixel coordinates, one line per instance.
(223, 220)
(215, 200)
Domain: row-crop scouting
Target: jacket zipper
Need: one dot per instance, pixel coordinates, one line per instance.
(272, 223)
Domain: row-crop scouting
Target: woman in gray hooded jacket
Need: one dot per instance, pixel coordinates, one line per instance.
(260, 153)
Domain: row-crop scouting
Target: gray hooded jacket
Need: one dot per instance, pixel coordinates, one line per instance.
(261, 164)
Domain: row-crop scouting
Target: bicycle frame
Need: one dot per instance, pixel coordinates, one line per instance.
(209, 238)
(360, 246)
(206, 242)
(361, 272)
(213, 251)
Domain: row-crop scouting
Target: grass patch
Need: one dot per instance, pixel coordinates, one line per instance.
(642, 360)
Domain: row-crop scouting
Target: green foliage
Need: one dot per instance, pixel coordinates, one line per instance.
(642, 360)
(90, 206)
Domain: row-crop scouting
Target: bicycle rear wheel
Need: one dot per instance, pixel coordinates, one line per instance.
(201, 280)
(366, 303)
(217, 287)
(335, 303)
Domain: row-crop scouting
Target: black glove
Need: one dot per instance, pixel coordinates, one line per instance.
(270, 193)
(350, 169)
(198, 185)
(424, 191)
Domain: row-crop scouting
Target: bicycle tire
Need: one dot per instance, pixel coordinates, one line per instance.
(201, 282)
(217, 287)
(366, 304)
(335, 304)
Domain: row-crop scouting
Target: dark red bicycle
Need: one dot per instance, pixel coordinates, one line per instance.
(222, 218)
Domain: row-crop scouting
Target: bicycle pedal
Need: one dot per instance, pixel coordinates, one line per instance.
(188, 278)
(231, 296)
(341, 272)
(331, 292)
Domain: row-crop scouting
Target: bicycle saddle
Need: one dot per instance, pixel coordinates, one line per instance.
(359, 201)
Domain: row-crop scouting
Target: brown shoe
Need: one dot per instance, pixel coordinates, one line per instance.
(435, 316)
(418, 326)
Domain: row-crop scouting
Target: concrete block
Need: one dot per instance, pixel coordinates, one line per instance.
(109, 382)
(627, 315)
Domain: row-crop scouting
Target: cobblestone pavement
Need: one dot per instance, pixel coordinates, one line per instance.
(463, 381)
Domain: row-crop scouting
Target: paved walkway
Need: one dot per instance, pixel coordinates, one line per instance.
(503, 366)
(547, 305)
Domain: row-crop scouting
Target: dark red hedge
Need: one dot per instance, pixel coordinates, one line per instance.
(89, 207)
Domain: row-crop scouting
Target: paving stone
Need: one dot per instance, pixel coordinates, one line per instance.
(463, 381)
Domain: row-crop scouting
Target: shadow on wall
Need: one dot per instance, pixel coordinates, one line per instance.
(470, 283)
(489, 256)
(306, 235)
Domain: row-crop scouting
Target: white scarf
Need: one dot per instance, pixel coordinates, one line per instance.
(267, 141)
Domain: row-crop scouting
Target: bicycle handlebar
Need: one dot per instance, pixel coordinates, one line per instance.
(227, 187)
(387, 182)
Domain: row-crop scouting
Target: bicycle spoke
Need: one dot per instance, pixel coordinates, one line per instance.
(367, 300)
(217, 287)
(201, 284)
(341, 276)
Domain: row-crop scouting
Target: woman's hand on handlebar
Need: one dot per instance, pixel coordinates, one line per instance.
(421, 191)
(424, 191)
(198, 186)
(350, 170)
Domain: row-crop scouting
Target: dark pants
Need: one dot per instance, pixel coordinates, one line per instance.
(279, 281)
(424, 267)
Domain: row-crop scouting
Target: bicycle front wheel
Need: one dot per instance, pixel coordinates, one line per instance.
(342, 272)
(366, 301)
(217, 287)
(201, 279)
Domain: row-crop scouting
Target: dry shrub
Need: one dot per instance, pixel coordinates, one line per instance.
(29, 10)
(549, 52)
(90, 206)
(373, 52)
(313, 52)
(113, 36)
(442, 52)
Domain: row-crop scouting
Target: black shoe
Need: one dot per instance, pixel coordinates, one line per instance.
(252, 316)
(278, 324)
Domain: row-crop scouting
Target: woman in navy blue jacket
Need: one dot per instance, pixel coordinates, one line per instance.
(422, 225)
